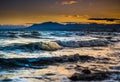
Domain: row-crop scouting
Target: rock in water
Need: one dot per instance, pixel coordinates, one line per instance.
(50, 46)
(86, 71)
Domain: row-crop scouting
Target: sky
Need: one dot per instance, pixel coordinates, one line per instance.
(38, 11)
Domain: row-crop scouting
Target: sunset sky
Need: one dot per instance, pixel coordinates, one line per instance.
(37, 11)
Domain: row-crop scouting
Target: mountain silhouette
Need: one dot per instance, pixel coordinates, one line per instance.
(48, 26)
(54, 26)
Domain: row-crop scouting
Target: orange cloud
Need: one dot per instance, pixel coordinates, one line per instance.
(70, 2)
(77, 16)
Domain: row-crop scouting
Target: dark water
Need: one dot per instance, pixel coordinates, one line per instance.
(54, 56)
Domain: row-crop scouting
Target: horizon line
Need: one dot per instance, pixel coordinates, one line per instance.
(64, 23)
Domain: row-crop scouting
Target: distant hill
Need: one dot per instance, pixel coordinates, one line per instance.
(74, 27)
(53, 26)
(47, 26)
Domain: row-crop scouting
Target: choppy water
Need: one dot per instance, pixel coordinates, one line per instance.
(22, 45)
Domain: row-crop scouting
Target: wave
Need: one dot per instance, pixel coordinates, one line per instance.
(48, 46)
(89, 43)
(42, 61)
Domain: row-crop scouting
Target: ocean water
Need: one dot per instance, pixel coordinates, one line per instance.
(30, 56)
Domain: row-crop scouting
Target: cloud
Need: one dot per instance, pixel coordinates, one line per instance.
(70, 2)
(77, 16)
(106, 19)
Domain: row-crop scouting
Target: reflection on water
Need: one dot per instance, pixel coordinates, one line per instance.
(57, 56)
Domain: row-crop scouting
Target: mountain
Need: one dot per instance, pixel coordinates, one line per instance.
(53, 26)
(47, 26)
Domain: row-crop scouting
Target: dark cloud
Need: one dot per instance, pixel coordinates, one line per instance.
(107, 19)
